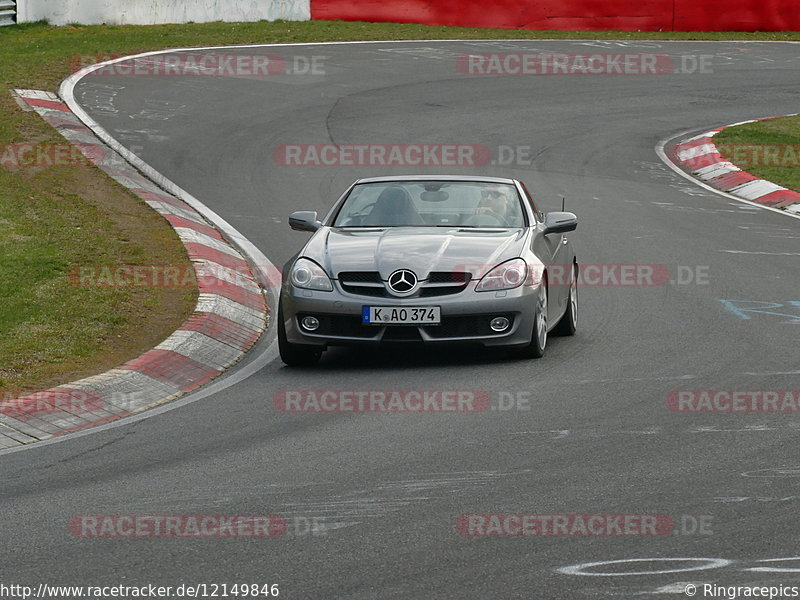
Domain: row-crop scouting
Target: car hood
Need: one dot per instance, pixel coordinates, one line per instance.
(421, 249)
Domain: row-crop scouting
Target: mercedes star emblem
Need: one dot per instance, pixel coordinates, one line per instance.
(402, 281)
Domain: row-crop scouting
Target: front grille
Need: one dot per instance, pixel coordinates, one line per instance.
(376, 292)
(363, 283)
(356, 277)
(438, 283)
(444, 283)
(452, 277)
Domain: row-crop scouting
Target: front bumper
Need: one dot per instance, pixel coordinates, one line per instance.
(465, 318)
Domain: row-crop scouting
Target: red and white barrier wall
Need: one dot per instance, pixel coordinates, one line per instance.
(581, 15)
(644, 15)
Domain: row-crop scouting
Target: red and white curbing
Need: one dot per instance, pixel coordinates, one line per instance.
(699, 156)
(229, 318)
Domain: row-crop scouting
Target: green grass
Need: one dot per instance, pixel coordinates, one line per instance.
(769, 149)
(52, 218)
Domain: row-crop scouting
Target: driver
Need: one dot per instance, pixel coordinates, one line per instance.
(495, 202)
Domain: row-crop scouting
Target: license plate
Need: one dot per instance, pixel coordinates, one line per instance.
(401, 315)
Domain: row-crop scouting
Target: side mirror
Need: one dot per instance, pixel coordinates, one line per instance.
(304, 220)
(560, 222)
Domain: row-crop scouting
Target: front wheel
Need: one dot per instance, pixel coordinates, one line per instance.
(539, 335)
(295, 355)
(569, 322)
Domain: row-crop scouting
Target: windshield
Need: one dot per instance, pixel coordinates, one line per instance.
(431, 204)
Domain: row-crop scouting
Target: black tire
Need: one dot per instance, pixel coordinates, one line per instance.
(538, 342)
(295, 355)
(569, 322)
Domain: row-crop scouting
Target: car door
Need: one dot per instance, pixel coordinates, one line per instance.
(553, 250)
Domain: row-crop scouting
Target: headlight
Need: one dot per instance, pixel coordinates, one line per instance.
(309, 275)
(506, 276)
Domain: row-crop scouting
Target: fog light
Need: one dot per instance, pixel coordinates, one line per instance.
(310, 323)
(499, 324)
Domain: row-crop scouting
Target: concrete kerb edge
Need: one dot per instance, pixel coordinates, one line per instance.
(702, 175)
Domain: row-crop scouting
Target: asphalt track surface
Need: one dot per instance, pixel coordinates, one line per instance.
(597, 436)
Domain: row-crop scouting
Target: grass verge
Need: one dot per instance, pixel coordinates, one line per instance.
(768, 149)
(53, 218)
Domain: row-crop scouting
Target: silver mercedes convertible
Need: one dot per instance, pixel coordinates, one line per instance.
(431, 260)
